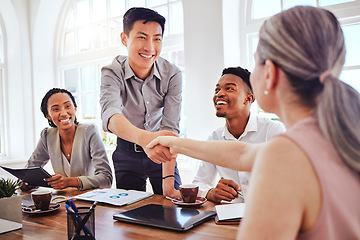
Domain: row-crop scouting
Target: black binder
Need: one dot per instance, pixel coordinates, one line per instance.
(33, 175)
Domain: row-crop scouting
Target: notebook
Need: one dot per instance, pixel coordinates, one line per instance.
(117, 197)
(168, 217)
(7, 226)
(229, 213)
(32, 175)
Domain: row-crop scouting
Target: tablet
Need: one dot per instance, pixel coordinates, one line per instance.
(168, 217)
(32, 175)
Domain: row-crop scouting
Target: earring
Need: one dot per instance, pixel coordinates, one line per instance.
(266, 92)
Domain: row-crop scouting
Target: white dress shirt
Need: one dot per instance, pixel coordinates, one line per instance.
(258, 129)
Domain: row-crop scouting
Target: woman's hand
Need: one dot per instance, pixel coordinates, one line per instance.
(166, 141)
(58, 181)
(26, 187)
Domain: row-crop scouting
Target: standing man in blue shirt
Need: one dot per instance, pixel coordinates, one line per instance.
(140, 100)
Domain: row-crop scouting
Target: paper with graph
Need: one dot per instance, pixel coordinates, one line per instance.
(117, 197)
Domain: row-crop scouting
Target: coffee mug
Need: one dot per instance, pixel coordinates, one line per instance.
(41, 199)
(189, 192)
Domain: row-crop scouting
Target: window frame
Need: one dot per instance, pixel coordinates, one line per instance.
(3, 139)
(347, 14)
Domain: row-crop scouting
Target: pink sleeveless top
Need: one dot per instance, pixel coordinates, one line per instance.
(340, 211)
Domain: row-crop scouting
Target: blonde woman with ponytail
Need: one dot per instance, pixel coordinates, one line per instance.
(305, 183)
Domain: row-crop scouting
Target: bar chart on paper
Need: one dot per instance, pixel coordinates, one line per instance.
(117, 197)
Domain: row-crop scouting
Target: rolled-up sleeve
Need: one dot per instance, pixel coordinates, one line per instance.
(110, 99)
(172, 105)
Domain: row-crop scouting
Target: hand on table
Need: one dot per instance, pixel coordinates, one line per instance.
(224, 190)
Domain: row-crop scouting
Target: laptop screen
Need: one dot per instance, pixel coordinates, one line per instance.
(169, 217)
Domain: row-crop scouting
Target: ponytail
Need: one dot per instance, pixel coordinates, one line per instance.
(338, 114)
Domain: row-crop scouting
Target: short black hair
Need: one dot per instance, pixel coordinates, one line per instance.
(243, 73)
(138, 13)
(44, 103)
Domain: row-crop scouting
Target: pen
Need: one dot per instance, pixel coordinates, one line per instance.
(72, 204)
(82, 223)
(76, 218)
(239, 192)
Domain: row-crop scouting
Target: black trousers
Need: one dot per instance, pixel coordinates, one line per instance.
(133, 167)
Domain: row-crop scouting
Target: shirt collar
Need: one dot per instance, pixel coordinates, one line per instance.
(129, 73)
(251, 126)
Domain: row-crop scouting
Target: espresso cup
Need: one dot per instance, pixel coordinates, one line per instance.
(189, 192)
(41, 199)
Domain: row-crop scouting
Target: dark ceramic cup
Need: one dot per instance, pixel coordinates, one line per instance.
(189, 192)
(41, 199)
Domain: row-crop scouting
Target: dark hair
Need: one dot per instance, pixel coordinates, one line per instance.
(138, 13)
(242, 73)
(44, 103)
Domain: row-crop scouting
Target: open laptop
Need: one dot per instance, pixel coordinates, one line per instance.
(168, 217)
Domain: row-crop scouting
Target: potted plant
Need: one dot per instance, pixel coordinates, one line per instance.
(10, 203)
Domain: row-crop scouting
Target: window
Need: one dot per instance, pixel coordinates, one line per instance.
(2, 93)
(351, 71)
(91, 39)
(347, 12)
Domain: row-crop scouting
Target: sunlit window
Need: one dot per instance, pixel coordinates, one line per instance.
(267, 8)
(91, 40)
(263, 9)
(351, 71)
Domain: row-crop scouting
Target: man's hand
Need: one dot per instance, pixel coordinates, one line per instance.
(157, 153)
(169, 190)
(224, 190)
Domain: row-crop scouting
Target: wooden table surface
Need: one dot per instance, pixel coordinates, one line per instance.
(53, 226)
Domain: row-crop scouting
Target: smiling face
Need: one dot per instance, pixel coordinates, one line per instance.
(144, 44)
(231, 97)
(61, 110)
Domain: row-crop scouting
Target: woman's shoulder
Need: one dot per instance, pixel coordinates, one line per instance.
(88, 130)
(281, 153)
(49, 131)
(87, 127)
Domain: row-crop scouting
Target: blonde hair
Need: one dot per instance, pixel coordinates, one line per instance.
(305, 42)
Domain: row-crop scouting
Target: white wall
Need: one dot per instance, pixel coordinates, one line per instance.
(204, 61)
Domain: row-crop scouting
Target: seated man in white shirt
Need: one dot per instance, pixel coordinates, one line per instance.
(233, 98)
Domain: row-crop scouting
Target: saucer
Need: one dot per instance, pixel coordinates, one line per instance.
(32, 210)
(199, 201)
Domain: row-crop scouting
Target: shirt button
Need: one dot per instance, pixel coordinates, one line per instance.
(147, 102)
(148, 115)
(146, 124)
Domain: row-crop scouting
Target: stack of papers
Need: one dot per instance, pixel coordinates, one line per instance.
(229, 213)
(117, 197)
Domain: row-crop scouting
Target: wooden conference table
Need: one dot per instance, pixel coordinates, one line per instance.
(53, 226)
